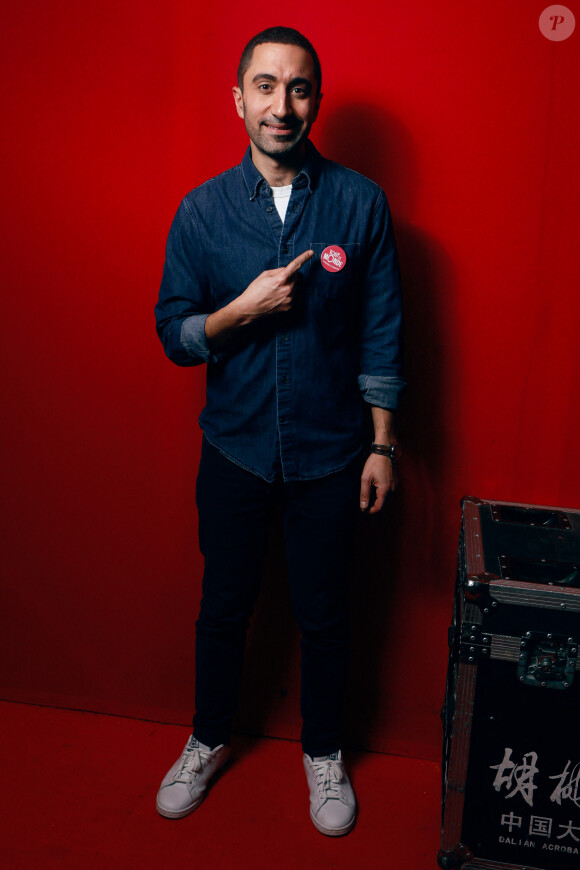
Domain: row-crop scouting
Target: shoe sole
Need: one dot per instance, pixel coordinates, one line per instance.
(333, 832)
(178, 814)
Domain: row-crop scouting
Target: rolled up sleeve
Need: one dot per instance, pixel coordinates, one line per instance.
(382, 392)
(193, 337)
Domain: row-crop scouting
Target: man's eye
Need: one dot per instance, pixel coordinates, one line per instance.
(299, 92)
(264, 86)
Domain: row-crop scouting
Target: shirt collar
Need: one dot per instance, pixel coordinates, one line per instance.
(307, 177)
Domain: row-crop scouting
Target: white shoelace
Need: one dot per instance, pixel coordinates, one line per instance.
(328, 775)
(193, 761)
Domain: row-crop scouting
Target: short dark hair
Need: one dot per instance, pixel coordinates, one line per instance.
(283, 36)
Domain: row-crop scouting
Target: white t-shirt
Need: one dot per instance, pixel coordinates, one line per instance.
(281, 199)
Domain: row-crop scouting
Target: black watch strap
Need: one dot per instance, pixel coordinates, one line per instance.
(391, 451)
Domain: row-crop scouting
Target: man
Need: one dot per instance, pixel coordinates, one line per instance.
(281, 274)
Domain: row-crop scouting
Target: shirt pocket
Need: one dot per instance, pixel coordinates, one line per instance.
(334, 268)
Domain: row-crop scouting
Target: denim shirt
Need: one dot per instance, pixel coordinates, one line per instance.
(285, 393)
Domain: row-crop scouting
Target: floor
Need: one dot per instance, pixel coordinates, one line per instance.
(78, 791)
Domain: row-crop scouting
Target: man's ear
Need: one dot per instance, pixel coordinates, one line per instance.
(239, 100)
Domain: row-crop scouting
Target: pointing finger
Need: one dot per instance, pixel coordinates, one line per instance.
(297, 264)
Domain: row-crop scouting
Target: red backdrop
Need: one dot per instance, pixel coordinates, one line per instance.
(468, 117)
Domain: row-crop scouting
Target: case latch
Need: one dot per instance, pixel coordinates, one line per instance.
(547, 660)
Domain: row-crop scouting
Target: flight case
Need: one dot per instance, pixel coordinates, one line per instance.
(511, 716)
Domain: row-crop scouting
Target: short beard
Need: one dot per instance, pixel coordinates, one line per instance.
(281, 148)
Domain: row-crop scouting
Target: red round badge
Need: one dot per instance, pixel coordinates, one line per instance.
(333, 258)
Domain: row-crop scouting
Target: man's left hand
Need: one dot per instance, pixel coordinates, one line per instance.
(379, 474)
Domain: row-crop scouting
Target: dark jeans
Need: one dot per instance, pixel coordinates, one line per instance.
(235, 508)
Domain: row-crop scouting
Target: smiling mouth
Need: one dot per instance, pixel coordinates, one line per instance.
(278, 130)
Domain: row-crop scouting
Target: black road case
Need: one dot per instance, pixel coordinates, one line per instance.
(511, 717)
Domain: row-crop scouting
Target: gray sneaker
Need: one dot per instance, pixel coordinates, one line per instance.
(332, 800)
(183, 789)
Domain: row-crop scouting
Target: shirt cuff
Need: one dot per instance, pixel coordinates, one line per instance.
(194, 341)
(381, 391)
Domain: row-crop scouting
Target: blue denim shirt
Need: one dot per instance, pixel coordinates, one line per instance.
(285, 394)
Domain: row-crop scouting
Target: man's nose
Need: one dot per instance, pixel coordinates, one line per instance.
(282, 106)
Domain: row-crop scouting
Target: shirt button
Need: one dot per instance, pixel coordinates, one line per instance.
(284, 336)
(285, 249)
(270, 209)
(284, 379)
(282, 419)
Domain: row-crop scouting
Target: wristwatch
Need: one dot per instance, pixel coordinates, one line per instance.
(391, 451)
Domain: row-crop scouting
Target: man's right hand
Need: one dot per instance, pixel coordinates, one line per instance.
(269, 293)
